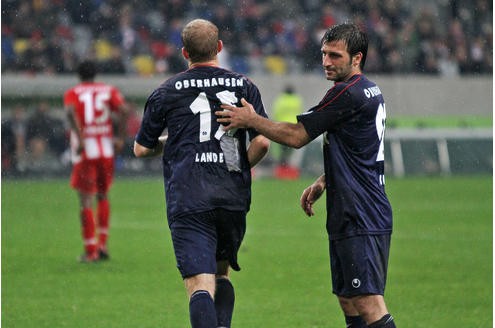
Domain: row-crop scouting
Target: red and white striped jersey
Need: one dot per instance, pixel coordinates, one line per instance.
(93, 104)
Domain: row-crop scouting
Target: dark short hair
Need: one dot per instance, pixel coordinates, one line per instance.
(355, 39)
(87, 70)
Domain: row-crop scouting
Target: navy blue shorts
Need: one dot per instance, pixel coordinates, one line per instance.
(359, 265)
(202, 239)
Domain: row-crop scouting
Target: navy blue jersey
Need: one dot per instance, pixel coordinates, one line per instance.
(352, 118)
(195, 172)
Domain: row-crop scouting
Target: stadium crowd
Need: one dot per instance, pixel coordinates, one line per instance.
(443, 38)
(270, 37)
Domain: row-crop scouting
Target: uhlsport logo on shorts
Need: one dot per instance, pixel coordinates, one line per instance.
(356, 283)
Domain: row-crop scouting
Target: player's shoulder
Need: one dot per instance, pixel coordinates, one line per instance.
(92, 85)
(165, 90)
(170, 82)
(355, 81)
(358, 85)
(239, 76)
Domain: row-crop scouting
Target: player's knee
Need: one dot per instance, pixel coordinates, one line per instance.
(347, 306)
(101, 196)
(200, 282)
(370, 307)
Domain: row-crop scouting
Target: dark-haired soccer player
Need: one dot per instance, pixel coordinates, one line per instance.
(207, 171)
(351, 117)
(92, 108)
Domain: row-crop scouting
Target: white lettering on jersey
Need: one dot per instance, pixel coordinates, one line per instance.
(209, 157)
(372, 92)
(208, 83)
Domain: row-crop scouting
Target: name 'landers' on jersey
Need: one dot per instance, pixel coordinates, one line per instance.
(196, 176)
(352, 118)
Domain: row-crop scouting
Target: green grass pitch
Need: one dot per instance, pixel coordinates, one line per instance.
(440, 271)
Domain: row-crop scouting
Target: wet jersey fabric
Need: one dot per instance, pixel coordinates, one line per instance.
(199, 174)
(93, 103)
(351, 117)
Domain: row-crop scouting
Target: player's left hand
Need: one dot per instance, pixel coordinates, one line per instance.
(309, 196)
(236, 117)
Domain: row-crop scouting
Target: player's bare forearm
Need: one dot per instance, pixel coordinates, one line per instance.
(72, 121)
(289, 134)
(74, 125)
(257, 150)
(121, 120)
(320, 182)
(292, 135)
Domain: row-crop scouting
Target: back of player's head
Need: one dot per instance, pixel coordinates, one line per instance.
(355, 39)
(87, 70)
(200, 40)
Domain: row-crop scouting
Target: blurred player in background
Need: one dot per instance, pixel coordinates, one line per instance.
(351, 117)
(207, 172)
(286, 107)
(92, 109)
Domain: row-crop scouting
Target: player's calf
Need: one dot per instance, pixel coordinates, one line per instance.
(202, 312)
(224, 302)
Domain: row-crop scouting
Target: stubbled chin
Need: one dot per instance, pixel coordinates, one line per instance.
(330, 76)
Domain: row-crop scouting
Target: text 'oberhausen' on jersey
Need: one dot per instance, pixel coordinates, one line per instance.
(207, 83)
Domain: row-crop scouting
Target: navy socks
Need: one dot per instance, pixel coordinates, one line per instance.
(387, 321)
(224, 302)
(355, 322)
(202, 310)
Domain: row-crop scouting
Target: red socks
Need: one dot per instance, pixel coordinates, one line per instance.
(103, 214)
(89, 225)
(88, 228)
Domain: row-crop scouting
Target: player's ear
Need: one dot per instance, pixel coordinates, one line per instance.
(219, 46)
(185, 53)
(356, 59)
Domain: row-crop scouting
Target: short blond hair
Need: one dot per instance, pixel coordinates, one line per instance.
(200, 40)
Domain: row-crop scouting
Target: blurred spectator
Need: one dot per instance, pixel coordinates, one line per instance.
(18, 125)
(436, 37)
(14, 141)
(8, 147)
(43, 133)
(114, 64)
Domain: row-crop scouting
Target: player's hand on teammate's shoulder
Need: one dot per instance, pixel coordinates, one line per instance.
(236, 117)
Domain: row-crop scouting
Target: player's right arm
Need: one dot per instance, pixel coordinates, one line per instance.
(75, 126)
(311, 194)
(142, 151)
(123, 111)
(290, 134)
(150, 140)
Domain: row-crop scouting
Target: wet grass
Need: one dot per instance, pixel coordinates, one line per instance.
(440, 267)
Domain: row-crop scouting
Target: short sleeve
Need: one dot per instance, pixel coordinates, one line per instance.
(254, 98)
(336, 108)
(153, 122)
